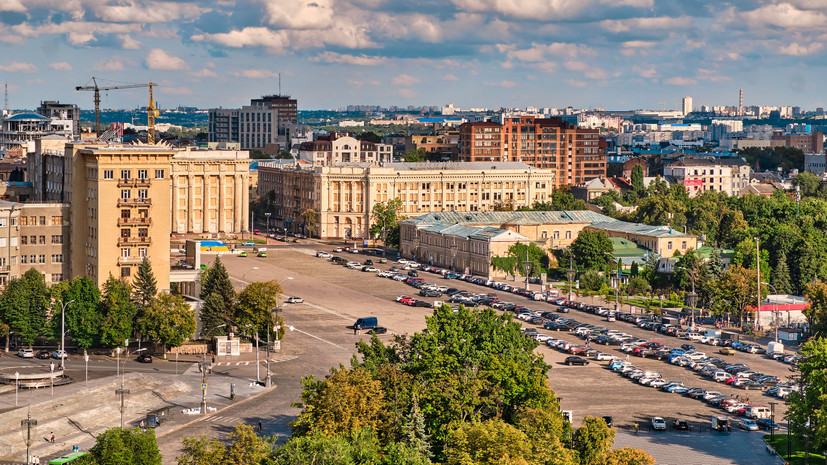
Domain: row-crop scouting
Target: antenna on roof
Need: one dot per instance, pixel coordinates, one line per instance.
(6, 103)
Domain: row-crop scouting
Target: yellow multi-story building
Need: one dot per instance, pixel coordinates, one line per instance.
(344, 195)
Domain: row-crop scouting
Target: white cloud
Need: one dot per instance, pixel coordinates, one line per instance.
(450, 77)
(18, 67)
(360, 60)
(785, 15)
(662, 22)
(113, 63)
(525, 9)
(540, 52)
(681, 81)
(504, 83)
(633, 3)
(796, 49)
(405, 80)
(12, 5)
(639, 44)
(256, 73)
(61, 66)
(648, 73)
(407, 93)
(596, 73)
(159, 59)
(576, 66)
(175, 90)
(273, 41)
(575, 83)
(131, 11)
(300, 14)
(204, 73)
(128, 43)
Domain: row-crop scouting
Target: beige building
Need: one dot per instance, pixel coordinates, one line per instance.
(699, 175)
(34, 236)
(466, 242)
(344, 148)
(344, 195)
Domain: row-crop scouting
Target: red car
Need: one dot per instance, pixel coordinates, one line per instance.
(407, 300)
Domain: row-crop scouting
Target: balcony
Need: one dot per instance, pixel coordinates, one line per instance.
(134, 182)
(134, 221)
(134, 202)
(130, 260)
(4, 268)
(134, 240)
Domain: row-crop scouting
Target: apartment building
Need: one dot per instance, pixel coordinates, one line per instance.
(341, 147)
(812, 143)
(343, 195)
(34, 235)
(262, 123)
(699, 175)
(573, 153)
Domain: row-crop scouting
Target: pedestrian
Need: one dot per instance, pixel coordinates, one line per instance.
(213, 359)
(51, 366)
(354, 330)
(142, 424)
(627, 357)
(359, 329)
(75, 448)
(52, 437)
(260, 426)
(747, 398)
(637, 428)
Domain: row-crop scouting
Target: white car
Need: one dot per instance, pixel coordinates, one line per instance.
(658, 424)
(294, 300)
(322, 254)
(384, 274)
(658, 383)
(600, 356)
(401, 261)
(25, 353)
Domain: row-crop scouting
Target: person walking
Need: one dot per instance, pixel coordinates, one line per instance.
(52, 437)
(637, 428)
(260, 426)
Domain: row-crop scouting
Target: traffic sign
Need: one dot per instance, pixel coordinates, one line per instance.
(203, 386)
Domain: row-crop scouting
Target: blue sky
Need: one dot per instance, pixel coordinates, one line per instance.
(614, 54)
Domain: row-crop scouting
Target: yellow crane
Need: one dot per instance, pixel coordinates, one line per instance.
(151, 112)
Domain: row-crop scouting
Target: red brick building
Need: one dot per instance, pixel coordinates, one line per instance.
(807, 143)
(481, 142)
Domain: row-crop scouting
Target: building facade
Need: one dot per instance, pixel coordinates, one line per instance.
(344, 148)
(481, 141)
(23, 129)
(343, 196)
(61, 111)
(699, 175)
(262, 123)
(34, 235)
(812, 143)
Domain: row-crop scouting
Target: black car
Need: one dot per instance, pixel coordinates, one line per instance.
(369, 262)
(681, 425)
(766, 423)
(144, 358)
(429, 293)
(563, 309)
(44, 354)
(378, 330)
(575, 360)
(608, 420)
(422, 303)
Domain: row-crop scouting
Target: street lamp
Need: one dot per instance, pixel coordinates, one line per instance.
(26, 427)
(267, 214)
(258, 377)
(775, 312)
(571, 275)
(772, 421)
(63, 331)
(204, 367)
(617, 284)
(122, 392)
(692, 298)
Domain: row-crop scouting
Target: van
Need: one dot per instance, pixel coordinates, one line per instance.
(757, 412)
(365, 323)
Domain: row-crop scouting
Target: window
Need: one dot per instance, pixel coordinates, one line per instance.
(32, 259)
(125, 174)
(143, 232)
(57, 220)
(669, 245)
(24, 221)
(125, 252)
(142, 174)
(24, 259)
(108, 174)
(57, 277)
(57, 258)
(544, 234)
(24, 240)
(568, 234)
(32, 240)
(142, 252)
(2, 222)
(142, 193)
(125, 194)
(159, 174)
(57, 239)
(683, 245)
(42, 221)
(41, 259)
(125, 272)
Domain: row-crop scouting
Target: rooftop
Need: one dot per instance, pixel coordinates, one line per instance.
(27, 117)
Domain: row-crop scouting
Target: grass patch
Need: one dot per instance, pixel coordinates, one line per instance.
(796, 447)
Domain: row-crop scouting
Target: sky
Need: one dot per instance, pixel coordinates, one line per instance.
(612, 54)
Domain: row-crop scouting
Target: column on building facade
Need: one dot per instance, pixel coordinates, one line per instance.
(190, 202)
(222, 191)
(205, 227)
(238, 225)
(174, 197)
(245, 207)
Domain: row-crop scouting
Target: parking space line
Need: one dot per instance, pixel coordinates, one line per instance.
(317, 337)
(332, 312)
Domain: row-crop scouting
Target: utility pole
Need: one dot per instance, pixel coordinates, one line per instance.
(122, 392)
(527, 266)
(63, 356)
(26, 426)
(757, 283)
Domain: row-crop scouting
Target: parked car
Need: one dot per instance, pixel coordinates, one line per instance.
(681, 425)
(44, 354)
(378, 330)
(748, 425)
(658, 424)
(243, 253)
(294, 300)
(766, 424)
(25, 353)
(575, 360)
(727, 351)
(262, 254)
(58, 354)
(144, 358)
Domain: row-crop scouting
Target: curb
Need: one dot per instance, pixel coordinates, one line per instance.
(200, 417)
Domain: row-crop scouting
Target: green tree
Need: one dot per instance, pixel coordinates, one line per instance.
(23, 305)
(201, 451)
(309, 218)
(488, 443)
(739, 287)
(816, 313)
(385, 217)
(638, 286)
(144, 290)
(168, 321)
(808, 407)
(219, 298)
(246, 447)
(119, 446)
(83, 316)
(637, 180)
(627, 456)
(314, 449)
(715, 265)
(117, 312)
(522, 259)
(256, 308)
(591, 280)
(808, 183)
(781, 275)
(593, 440)
(592, 250)
(561, 199)
(418, 155)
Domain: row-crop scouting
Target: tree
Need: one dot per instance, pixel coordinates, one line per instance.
(808, 405)
(201, 451)
(117, 313)
(168, 321)
(219, 298)
(781, 275)
(561, 199)
(83, 316)
(23, 305)
(119, 446)
(627, 456)
(418, 155)
(256, 307)
(144, 290)
(591, 280)
(738, 286)
(715, 265)
(385, 216)
(246, 447)
(638, 286)
(593, 440)
(488, 443)
(592, 250)
(816, 313)
(309, 218)
(637, 180)
(519, 256)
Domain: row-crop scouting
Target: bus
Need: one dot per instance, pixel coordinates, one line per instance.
(68, 458)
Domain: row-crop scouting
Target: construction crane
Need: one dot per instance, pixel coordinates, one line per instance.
(151, 112)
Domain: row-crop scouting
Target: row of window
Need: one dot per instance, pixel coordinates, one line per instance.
(38, 259)
(32, 240)
(127, 193)
(127, 174)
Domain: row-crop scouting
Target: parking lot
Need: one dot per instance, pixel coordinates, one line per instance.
(590, 390)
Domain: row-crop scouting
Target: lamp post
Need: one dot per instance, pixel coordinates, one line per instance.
(571, 276)
(267, 214)
(16, 385)
(258, 376)
(63, 331)
(26, 427)
(122, 392)
(775, 312)
(617, 284)
(203, 366)
(692, 298)
(772, 421)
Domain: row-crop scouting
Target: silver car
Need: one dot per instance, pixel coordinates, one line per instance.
(25, 353)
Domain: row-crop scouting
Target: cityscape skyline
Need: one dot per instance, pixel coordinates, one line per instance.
(627, 54)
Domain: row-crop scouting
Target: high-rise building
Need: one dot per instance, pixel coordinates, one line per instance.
(686, 105)
(267, 121)
(61, 111)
